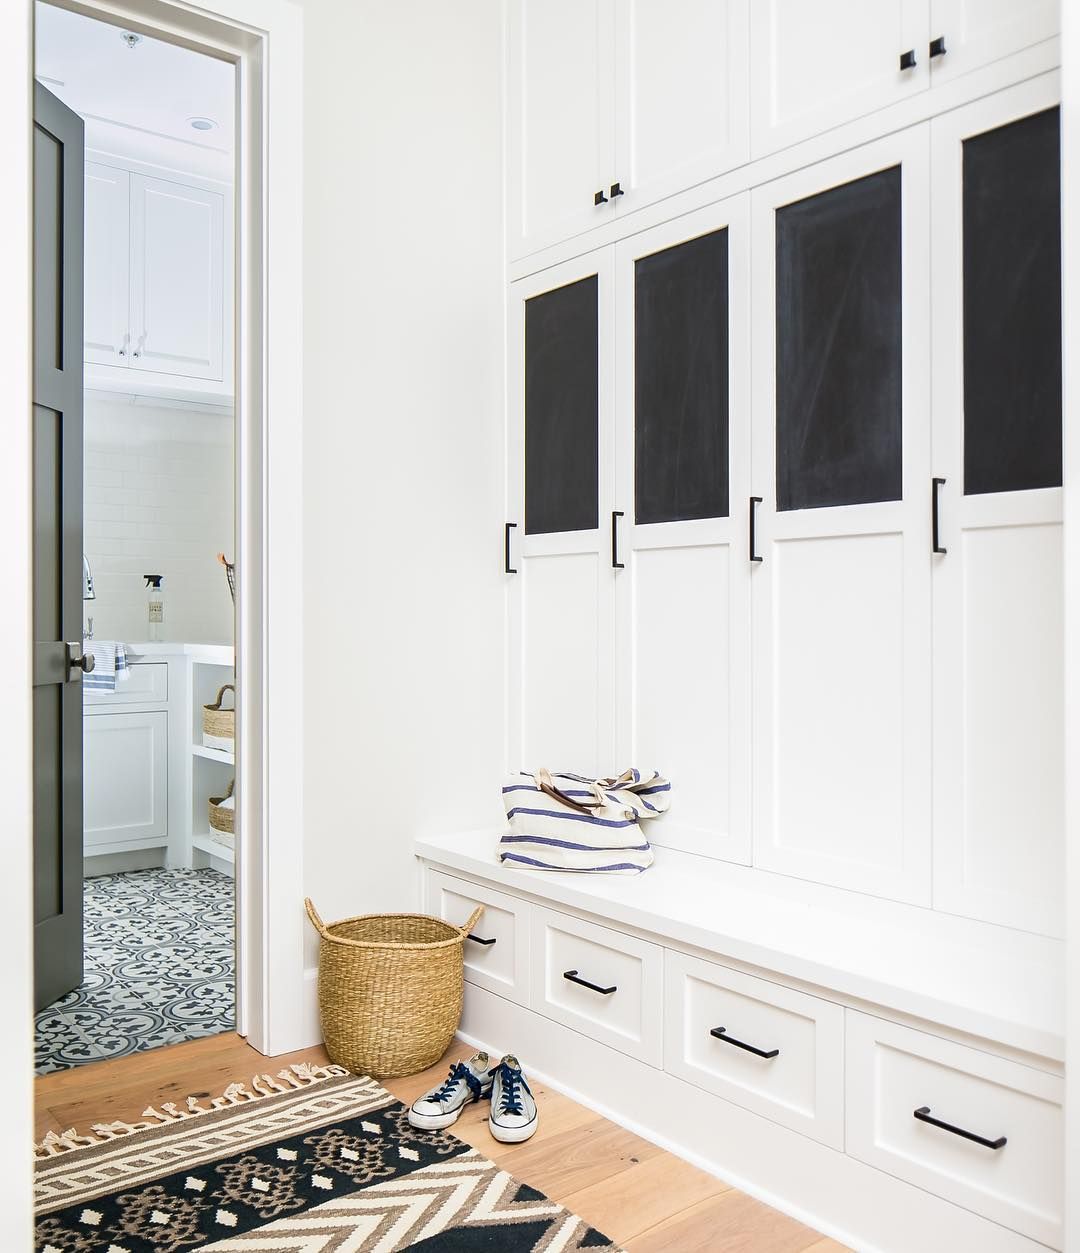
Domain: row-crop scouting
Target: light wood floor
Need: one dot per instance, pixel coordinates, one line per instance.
(644, 1198)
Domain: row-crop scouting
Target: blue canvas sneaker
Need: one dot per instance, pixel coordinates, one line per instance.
(467, 1081)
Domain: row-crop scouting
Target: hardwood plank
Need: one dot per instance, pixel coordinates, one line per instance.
(628, 1203)
(729, 1223)
(828, 1246)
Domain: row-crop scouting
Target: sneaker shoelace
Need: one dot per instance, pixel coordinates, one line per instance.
(509, 1096)
(459, 1073)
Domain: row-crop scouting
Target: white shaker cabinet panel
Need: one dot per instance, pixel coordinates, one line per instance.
(816, 66)
(125, 779)
(999, 779)
(966, 34)
(561, 655)
(560, 119)
(106, 332)
(178, 298)
(683, 470)
(840, 593)
(681, 94)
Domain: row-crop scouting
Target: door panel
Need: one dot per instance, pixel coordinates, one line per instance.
(560, 119)
(841, 597)
(816, 66)
(57, 554)
(178, 289)
(999, 841)
(682, 460)
(107, 327)
(977, 32)
(126, 768)
(558, 438)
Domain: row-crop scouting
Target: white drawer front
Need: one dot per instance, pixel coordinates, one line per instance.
(147, 684)
(892, 1071)
(801, 1084)
(501, 963)
(623, 1007)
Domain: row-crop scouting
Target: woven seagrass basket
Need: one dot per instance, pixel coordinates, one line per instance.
(219, 724)
(222, 819)
(390, 989)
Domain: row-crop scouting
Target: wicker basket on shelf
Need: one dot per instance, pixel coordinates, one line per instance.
(390, 989)
(223, 820)
(218, 724)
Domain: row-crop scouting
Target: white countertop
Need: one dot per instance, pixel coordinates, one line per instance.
(1002, 985)
(213, 654)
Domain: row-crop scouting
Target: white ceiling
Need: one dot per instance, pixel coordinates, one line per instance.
(138, 101)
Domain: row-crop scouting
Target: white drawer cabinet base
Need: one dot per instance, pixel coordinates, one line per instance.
(863, 1208)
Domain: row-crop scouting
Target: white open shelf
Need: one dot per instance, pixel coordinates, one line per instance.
(214, 754)
(216, 844)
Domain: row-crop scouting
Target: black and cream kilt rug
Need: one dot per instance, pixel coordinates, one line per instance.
(315, 1160)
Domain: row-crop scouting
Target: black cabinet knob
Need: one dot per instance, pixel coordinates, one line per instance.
(600, 198)
(907, 59)
(937, 46)
(616, 190)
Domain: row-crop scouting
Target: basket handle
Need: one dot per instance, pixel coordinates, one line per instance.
(316, 921)
(225, 687)
(474, 918)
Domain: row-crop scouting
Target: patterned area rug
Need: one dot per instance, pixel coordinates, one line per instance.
(158, 968)
(313, 1161)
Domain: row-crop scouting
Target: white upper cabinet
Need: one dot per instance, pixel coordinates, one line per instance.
(560, 119)
(178, 290)
(159, 285)
(107, 321)
(681, 94)
(816, 66)
(966, 34)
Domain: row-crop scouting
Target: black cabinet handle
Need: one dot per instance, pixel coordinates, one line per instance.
(907, 59)
(935, 519)
(754, 502)
(937, 46)
(721, 1034)
(616, 564)
(477, 940)
(923, 1115)
(600, 198)
(572, 975)
(616, 190)
(507, 567)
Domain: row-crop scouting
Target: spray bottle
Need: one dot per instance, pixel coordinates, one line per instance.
(155, 606)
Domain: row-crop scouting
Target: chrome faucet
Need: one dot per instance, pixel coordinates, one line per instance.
(88, 594)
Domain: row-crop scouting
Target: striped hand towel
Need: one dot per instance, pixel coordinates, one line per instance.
(567, 821)
(110, 666)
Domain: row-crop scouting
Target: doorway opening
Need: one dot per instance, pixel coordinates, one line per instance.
(158, 857)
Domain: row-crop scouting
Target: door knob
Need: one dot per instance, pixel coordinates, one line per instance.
(78, 660)
(616, 190)
(907, 59)
(937, 46)
(600, 198)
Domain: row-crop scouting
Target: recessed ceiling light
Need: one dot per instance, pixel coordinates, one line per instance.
(130, 38)
(202, 123)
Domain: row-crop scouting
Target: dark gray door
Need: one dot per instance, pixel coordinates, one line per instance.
(57, 557)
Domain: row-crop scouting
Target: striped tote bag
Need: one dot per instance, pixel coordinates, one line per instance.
(570, 822)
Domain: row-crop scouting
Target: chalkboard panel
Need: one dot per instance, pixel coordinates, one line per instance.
(839, 426)
(681, 381)
(1012, 307)
(562, 409)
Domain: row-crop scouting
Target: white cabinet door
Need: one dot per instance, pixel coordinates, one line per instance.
(683, 468)
(178, 296)
(841, 595)
(125, 780)
(106, 332)
(681, 94)
(816, 66)
(559, 444)
(999, 775)
(561, 119)
(971, 33)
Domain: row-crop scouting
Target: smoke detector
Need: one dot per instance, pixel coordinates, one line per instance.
(130, 38)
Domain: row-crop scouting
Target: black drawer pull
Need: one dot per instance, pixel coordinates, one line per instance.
(936, 545)
(507, 567)
(599, 198)
(572, 975)
(616, 190)
(923, 1115)
(477, 940)
(937, 46)
(616, 564)
(721, 1034)
(754, 502)
(907, 59)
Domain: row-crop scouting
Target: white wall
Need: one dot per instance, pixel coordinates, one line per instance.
(403, 330)
(158, 499)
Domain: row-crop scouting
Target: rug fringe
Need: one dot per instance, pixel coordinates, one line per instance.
(294, 1077)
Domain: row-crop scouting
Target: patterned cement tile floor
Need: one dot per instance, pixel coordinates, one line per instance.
(158, 968)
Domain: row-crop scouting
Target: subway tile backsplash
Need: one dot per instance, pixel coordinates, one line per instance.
(158, 499)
